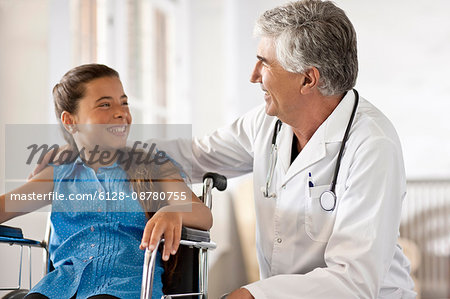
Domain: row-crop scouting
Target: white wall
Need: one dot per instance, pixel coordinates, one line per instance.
(25, 99)
(404, 59)
(206, 64)
(24, 66)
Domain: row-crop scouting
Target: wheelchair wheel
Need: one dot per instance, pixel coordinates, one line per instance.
(16, 294)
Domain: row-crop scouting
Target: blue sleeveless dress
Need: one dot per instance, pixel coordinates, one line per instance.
(95, 243)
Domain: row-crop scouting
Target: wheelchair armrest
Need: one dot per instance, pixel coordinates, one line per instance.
(195, 235)
(11, 232)
(14, 235)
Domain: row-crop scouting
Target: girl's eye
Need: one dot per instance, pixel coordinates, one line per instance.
(104, 105)
(125, 103)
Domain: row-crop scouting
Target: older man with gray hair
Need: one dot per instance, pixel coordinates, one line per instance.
(327, 165)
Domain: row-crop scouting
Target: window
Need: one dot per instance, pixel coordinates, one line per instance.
(138, 39)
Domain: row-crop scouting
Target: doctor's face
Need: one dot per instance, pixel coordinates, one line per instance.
(282, 88)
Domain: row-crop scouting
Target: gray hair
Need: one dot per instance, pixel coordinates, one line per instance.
(312, 33)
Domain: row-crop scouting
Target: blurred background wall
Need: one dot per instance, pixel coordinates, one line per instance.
(189, 61)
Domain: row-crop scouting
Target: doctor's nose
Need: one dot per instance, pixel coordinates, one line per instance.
(256, 74)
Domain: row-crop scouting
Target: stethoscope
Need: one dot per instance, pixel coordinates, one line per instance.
(328, 198)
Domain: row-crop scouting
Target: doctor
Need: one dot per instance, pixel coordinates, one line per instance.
(326, 226)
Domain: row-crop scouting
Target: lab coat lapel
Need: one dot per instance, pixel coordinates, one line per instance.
(331, 130)
(313, 152)
(284, 149)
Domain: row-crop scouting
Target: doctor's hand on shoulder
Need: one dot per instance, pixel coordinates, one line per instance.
(240, 294)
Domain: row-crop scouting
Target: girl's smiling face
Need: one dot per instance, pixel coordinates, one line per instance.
(102, 117)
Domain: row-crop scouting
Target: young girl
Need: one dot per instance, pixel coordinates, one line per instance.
(96, 245)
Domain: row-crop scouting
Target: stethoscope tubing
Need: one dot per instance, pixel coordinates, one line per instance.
(326, 195)
(344, 141)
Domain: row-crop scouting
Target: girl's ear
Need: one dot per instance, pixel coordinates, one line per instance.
(68, 122)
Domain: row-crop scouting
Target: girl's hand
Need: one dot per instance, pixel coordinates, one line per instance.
(163, 224)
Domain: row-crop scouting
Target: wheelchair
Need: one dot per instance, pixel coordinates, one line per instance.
(188, 280)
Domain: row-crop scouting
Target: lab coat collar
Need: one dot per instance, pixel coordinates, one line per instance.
(337, 122)
(331, 130)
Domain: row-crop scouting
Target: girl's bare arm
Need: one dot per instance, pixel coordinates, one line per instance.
(167, 222)
(39, 186)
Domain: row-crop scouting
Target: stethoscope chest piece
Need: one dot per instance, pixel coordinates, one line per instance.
(328, 200)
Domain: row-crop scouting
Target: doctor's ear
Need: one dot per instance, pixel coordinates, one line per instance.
(310, 80)
(68, 122)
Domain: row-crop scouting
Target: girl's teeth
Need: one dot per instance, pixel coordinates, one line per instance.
(118, 130)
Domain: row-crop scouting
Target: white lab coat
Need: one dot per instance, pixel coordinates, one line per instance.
(304, 251)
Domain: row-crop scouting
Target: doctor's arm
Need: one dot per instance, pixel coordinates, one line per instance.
(361, 247)
(228, 150)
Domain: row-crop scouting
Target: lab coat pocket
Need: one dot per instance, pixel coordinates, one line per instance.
(318, 222)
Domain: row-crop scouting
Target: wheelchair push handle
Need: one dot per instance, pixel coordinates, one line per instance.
(219, 181)
(211, 180)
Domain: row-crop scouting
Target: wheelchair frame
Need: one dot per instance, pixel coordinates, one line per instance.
(197, 239)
